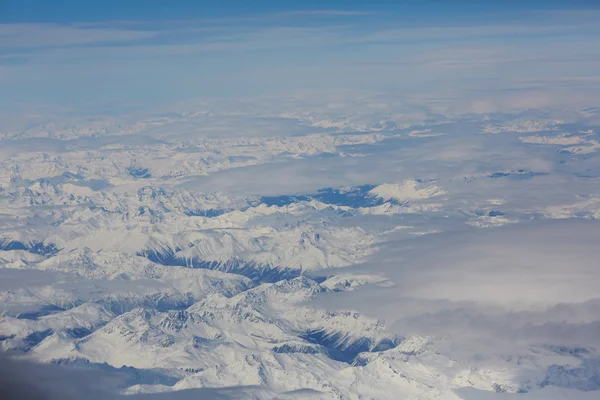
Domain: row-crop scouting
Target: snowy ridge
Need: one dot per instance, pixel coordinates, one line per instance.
(523, 126)
(406, 191)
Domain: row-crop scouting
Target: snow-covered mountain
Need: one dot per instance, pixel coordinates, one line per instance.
(218, 251)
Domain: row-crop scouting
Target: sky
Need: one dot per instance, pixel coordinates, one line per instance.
(111, 56)
(161, 10)
(77, 10)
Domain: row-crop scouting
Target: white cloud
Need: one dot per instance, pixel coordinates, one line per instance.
(536, 282)
(22, 36)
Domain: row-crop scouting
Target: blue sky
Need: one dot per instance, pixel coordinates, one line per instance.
(99, 55)
(77, 10)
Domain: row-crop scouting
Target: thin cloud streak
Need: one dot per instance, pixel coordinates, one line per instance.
(51, 35)
(283, 34)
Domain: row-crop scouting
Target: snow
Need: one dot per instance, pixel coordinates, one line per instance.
(312, 253)
(406, 191)
(562, 140)
(522, 126)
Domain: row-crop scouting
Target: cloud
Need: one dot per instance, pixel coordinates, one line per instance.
(23, 380)
(532, 282)
(336, 13)
(132, 61)
(21, 36)
(28, 381)
(284, 30)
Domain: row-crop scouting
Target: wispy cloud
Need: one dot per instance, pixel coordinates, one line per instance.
(293, 50)
(287, 31)
(19, 36)
(337, 13)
